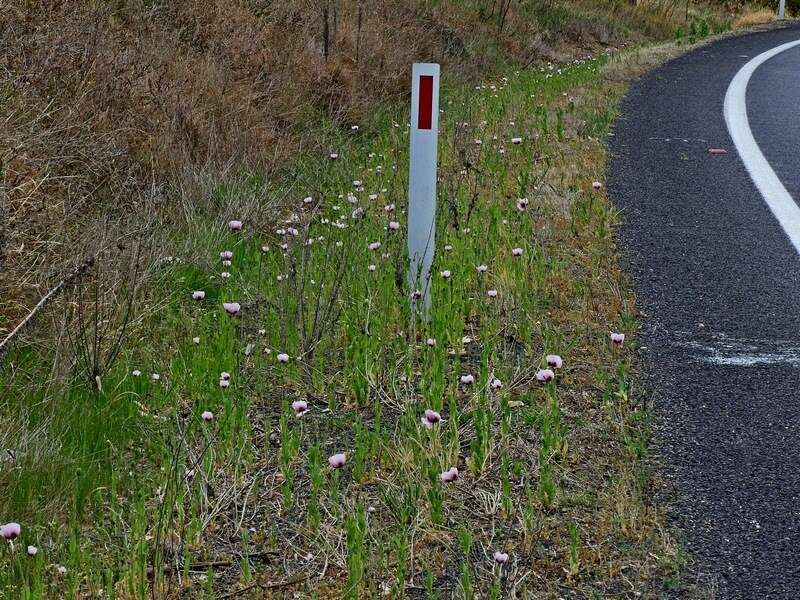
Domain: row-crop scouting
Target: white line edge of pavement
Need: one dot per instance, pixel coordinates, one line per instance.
(776, 196)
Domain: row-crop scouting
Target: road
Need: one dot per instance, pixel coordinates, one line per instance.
(718, 279)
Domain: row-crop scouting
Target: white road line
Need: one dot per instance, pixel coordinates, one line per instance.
(775, 194)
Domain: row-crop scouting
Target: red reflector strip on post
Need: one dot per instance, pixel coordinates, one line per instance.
(425, 119)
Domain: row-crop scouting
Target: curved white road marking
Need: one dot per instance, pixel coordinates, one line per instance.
(775, 194)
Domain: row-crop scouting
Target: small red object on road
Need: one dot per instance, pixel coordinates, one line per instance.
(717, 151)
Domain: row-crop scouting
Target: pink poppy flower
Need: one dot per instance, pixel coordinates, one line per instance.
(32, 550)
(516, 252)
(394, 225)
(617, 338)
(491, 293)
(597, 185)
(225, 376)
(516, 140)
(450, 475)
(430, 418)
(232, 308)
(496, 384)
(500, 557)
(374, 245)
(300, 407)
(445, 274)
(554, 361)
(198, 295)
(207, 416)
(283, 357)
(522, 204)
(224, 383)
(467, 379)
(482, 268)
(544, 375)
(334, 155)
(226, 255)
(431, 342)
(389, 207)
(10, 531)
(337, 460)
(235, 225)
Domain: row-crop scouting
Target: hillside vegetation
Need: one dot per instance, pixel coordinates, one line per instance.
(106, 106)
(230, 397)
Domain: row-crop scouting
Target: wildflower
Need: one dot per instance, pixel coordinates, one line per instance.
(431, 342)
(223, 383)
(617, 338)
(394, 225)
(482, 268)
(544, 375)
(491, 293)
(10, 531)
(226, 255)
(450, 475)
(554, 361)
(292, 231)
(372, 268)
(516, 252)
(300, 407)
(235, 225)
(283, 358)
(225, 275)
(337, 460)
(155, 376)
(416, 295)
(207, 416)
(500, 557)
(467, 379)
(597, 185)
(32, 550)
(522, 203)
(389, 207)
(136, 372)
(430, 418)
(308, 200)
(357, 183)
(516, 140)
(226, 263)
(196, 340)
(198, 295)
(232, 308)
(496, 384)
(374, 245)
(445, 274)
(62, 570)
(334, 155)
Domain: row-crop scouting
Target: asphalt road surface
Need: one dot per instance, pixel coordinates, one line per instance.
(718, 278)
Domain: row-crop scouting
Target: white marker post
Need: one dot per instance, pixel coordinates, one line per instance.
(422, 180)
(782, 9)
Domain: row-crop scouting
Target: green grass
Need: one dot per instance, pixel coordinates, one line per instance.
(111, 482)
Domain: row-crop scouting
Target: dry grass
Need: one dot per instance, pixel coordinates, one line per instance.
(756, 17)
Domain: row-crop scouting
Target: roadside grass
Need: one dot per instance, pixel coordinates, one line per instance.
(119, 479)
